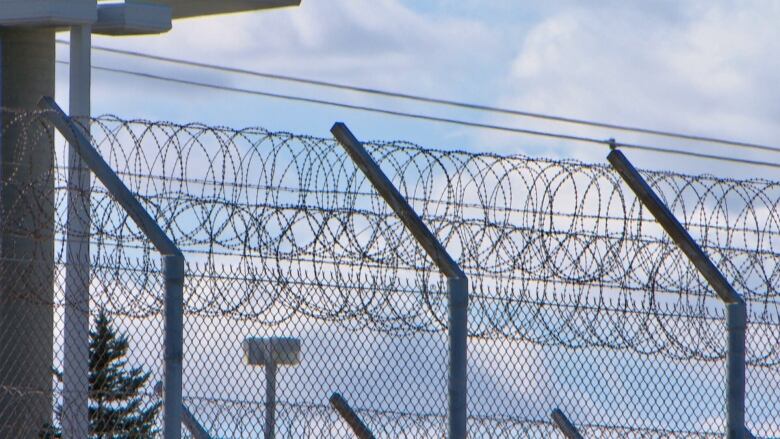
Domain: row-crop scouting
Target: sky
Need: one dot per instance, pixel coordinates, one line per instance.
(700, 67)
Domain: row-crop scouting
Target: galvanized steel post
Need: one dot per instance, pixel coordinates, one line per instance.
(457, 282)
(736, 323)
(173, 270)
(458, 291)
(357, 425)
(187, 418)
(736, 312)
(565, 425)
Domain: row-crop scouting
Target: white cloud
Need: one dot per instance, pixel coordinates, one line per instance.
(377, 43)
(701, 67)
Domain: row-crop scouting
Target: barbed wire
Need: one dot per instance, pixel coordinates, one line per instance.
(279, 226)
(425, 99)
(244, 418)
(300, 418)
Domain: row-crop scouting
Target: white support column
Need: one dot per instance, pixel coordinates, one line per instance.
(75, 414)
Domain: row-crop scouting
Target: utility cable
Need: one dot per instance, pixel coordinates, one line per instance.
(608, 142)
(430, 100)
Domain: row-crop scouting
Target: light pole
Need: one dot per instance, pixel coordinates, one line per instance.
(271, 352)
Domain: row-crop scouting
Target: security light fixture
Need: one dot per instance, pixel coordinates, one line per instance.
(271, 352)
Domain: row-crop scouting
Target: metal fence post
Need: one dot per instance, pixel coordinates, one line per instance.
(187, 418)
(173, 268)
(358, 427)
(457, 282)
(458, 291)
(736, 312)
(565, 425)
(736, 323)
(173, 260)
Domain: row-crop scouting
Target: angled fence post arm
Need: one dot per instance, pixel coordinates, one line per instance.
(75, 136)
(187, 418)
(172, 260)
(736, 310)
(358, 427)
(457, 282)
(672, 226)
(565, 425)
(397, 202)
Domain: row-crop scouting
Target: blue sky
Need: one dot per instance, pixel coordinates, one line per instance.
(704, 67)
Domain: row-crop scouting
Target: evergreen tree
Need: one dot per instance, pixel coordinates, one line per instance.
(115, 404)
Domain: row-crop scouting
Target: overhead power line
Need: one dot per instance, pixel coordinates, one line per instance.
(437, 101)
(609, 142)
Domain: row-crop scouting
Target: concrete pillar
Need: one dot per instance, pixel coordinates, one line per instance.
(26, 234)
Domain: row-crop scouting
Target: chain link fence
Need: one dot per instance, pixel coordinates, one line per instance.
(578, 299)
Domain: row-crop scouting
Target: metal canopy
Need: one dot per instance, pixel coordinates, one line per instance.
(47, 12)
(195, 8)
(132, 18)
